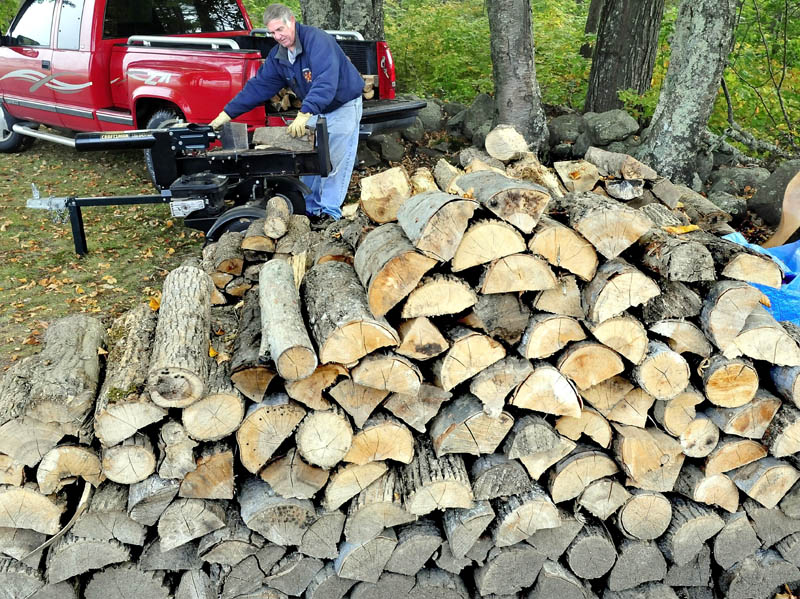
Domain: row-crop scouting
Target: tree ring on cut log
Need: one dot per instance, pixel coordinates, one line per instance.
(174, 387)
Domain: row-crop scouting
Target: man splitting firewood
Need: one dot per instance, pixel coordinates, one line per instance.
(311, 63)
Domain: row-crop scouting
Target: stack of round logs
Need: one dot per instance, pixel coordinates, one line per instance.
(490, 382)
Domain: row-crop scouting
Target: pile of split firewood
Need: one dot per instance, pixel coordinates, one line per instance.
(506, 381)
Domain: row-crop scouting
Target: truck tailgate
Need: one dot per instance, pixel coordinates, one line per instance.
(386, 115)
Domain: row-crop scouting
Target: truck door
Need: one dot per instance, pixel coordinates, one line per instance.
(26, 81)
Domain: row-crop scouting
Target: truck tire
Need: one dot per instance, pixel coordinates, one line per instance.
(11, 141)
(160, 119)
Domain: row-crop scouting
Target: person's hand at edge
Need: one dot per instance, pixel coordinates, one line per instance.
(297, 128)
(221, 119)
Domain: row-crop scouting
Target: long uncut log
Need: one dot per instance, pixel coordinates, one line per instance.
(389, 267)
(339, 315)
(122, 408)
(484, 241)
(462, 426)
(265, 427)
(282, 322)
(179, 363)
(435, 222)
(564, 247)
(249, 374)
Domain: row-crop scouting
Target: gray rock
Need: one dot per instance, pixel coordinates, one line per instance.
(766, 202)
(455, 124)
(415, 132)
(432, 116)
(581, 145)
(733, 205)
(561, 152)
(453, 108)
(366, 158)
(479, 135)
(633, 141)
(618, 146)
(467, 155)
(565, 128)
(480, 111)
(388, 146)
(613, 125)
(734, 180)
(704, 164)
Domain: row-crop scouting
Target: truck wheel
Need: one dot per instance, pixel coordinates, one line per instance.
(161, 119)
(11, 141)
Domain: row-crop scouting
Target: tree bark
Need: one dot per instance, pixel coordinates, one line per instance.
(701, 42)
(517, 97)
(625, 52)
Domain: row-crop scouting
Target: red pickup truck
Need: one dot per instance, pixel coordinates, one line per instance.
(110, 65)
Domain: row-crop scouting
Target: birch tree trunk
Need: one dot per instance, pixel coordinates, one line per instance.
(625, 51)
(701, 42)
(364, 16)
(518, 101)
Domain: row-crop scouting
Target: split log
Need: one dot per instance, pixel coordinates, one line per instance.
(692, 525)
(71, 556)
(530, 169)
(781, 436)
(766, 480)
(735, 541)
(564, 247)
(365, 561)
(663, 373)
(296, 240)
(696, 573)
(326, 584)
(384, 193)
(588, 363)
(516, 273)
(388, 585)
(277, 212)
(322, 536)
(762, 338)
(131, 461)
(349, 480)
(435, 222)
(438, 295)
(231, 544)
(590, 423)
(22, 544)
(11, 473)
(603, 497)
(357, 400)
(645, 516)
(683, 337)
(674, 257)
(324, 437)
(212, 477)
(789, 548)
(176, 451)
(417, 410)
(122, 408)
(714, 489)
(266, 425)
(219, 413)
(64, 464)
(469, 353)
(463, 526)
(536, 444)
(592, 553)
(279, 519)
(248, 576)
(700, 437)
(676, 300)
(255, 241)
(292, 574)
(433, 483)
(555, 580)
(637, 562)
(225, 255)
(736, 261)
(416, 543)
(750, 420)
(179, 362)
(339, 316)
(505, 143)
(616, 287)
(420, 339)
(725, 312)
(771, 524)
(521, 515)
(495, 475)
(389, 267)
(126, 581)
(444, 173)
(463, 427)
(248, 374)
(493, 384)
(547, 334)
(516, 202)
(388, 371)
(484, 241)
(547, 390)
(508, 570)
(571, 475)
(564, 298)
(624, 334)
(187, 519)
(382, 437)
(537, 463)
(148, 499)
(676, 413)
(378, 506)
(619, 165)
(652, 459)
(308, 391)
(610, 226)
(282, 323)
(632, 408)
(604, 396)
(756, 575)
(577, 175)
(421, 181)
(194, 584)
(26, 507)
(553, 542)
(731, 453)
(153, 557)
(501, 315)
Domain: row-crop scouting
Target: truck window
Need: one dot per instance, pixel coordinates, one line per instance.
(69, 24)
(33, 23)
(170, 17)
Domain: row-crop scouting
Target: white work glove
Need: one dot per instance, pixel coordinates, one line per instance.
(221, 119)
(297, 128)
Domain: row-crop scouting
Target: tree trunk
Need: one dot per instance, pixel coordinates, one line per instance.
(625, 52)
(517, 96)
(592, 21)
(701, 42)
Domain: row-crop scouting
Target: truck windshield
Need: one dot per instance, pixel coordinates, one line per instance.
(171, 17)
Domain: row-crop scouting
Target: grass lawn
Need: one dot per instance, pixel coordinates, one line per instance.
(131, 249)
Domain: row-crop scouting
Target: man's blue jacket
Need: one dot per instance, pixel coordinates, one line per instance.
(322, 76)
